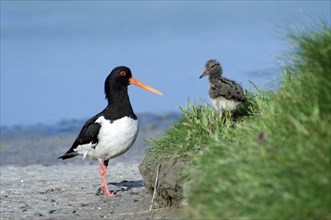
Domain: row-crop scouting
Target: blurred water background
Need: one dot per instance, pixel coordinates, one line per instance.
(55, 56)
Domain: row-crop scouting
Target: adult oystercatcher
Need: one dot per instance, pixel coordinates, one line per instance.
(224, 93)
(113, 131)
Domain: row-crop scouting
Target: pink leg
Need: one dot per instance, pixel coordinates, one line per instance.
(104, 185)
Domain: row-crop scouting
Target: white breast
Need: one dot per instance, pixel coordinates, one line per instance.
(221, 104)
(114, 138)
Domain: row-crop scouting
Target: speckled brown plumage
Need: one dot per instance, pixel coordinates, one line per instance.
(224, 93)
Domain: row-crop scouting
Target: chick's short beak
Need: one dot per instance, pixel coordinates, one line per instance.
(205, 73)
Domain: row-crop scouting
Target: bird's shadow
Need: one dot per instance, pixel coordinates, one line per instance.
(123, 186)
(126, 185)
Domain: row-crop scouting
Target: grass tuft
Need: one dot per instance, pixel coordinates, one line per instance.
(190, 133)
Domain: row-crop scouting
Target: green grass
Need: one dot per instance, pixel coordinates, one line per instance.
(197, 125)
(273, 163)
(186, 136)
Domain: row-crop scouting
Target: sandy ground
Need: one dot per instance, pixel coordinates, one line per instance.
(67, 191)
(34, 184)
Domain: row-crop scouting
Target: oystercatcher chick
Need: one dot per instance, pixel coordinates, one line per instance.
(224, 93)
(113, 131)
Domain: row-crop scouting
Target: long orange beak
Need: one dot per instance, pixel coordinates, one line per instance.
(144, 86)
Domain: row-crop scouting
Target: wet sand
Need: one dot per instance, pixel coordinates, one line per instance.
(34, 184)
(68, 192)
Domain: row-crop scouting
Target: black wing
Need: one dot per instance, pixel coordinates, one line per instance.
(88, 134)
(228, 89)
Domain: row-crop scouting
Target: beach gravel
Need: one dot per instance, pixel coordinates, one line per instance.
(34, 184)
(67, 191)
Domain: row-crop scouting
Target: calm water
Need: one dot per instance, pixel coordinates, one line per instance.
(55, 55)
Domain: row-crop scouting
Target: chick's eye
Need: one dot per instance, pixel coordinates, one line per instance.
(123, 73)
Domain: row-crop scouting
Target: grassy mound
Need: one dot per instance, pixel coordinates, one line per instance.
(277, 165)
(273, 163)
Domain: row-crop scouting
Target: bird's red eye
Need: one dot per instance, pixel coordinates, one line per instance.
(123, 73)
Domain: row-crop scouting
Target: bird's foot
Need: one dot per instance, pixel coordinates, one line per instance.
(107, 194)
(105, 191)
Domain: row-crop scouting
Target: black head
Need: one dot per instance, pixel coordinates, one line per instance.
(213, 68)
(119, 77)
(118, 81)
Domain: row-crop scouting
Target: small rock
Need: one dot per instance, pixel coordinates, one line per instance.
(169, 187)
